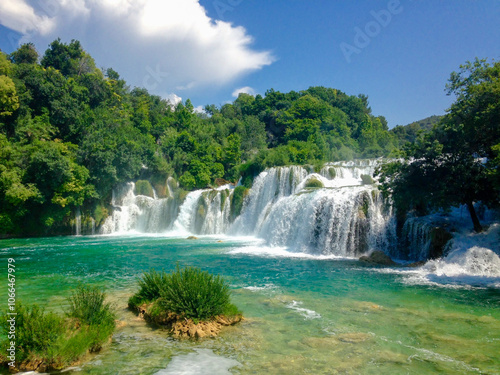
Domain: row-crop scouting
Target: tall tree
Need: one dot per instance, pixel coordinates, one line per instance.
(448, 166)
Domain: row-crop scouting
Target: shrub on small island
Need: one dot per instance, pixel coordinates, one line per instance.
(150, 285)
(46, 340)
(188, 293)
(195, 294)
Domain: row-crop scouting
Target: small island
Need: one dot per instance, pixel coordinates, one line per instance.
(189, 302)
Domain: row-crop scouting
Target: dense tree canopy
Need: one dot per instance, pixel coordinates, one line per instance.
(458, 162)
(70, 132)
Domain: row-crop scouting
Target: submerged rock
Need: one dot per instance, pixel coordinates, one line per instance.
(182, 327)
(187, 328)
(192, 238)
(354, 337)
(378, 257)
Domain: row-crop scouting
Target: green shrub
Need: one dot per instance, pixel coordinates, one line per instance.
(367, 179)
(332, 173)
(143, 187)
(150, 284)
(100, 214)
(239, 194)
(87, 305)
(314, 183)
(36, 330)
(195, 294)
(57, 341)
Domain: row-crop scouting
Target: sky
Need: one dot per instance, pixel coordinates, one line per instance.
(398, 52)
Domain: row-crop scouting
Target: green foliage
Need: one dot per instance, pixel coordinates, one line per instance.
(87, 305)
(367, 179)
(150, 285)
(9, 100)
(444, 167)
(57, 341)
(143, 187)
(25, 54)
(100, 214)
(410, 132)
(5, 65)
(189, 292)
(36, 330)
(237, 200)
(195, 294)
(313, 183)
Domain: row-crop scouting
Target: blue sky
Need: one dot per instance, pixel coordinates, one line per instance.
(399, 53)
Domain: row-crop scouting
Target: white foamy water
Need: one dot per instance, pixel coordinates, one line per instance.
(342, 219)
(306, 313)
(202, 362)
(473, 261)
(278, 252)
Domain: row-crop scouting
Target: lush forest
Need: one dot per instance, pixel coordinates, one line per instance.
(69, 132)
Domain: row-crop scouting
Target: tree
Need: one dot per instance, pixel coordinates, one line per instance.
(447, 167)
(9, 100)
(70, 59)
(26, 54)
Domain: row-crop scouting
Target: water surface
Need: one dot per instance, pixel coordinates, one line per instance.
(304, 315)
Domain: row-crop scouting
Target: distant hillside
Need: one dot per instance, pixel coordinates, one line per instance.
(408, 133)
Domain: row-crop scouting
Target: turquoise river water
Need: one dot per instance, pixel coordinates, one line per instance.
(303, 314)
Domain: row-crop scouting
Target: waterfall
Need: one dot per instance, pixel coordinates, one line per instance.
(139, 213)
(268, 187)
(205, 212)
(78, 222)
(343, 218)
(336, 211)
(416, 239)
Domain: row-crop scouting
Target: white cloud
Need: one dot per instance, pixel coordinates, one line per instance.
(244, 90)
(199, 109)
(173, 99)
(21, 17)
(162, 45)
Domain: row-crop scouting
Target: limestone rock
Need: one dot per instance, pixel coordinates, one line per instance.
(378, 257)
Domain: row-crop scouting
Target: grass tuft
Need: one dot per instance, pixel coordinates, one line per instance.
(189, 292)
(56, 341)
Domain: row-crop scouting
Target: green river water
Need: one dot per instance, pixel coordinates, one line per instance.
(303, 315)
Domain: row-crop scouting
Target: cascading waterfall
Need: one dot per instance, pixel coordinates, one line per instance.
(343, 218)
(139, 213)
(328, 213)
(205, 212)
(268, 188)
(78, 221)
(416, 238)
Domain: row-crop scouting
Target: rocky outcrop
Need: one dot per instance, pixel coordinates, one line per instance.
(439, 238)
(181, 327)
(378, 257)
